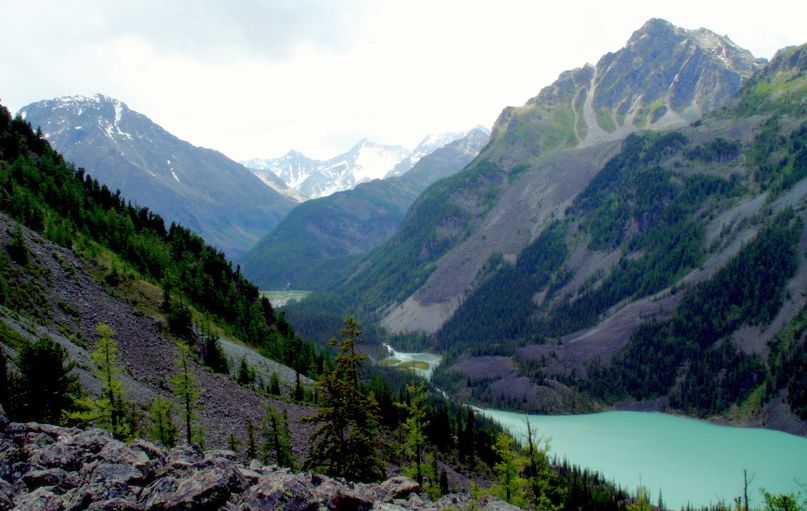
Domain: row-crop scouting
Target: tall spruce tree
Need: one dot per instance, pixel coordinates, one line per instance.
(276, 443)
(346, 442)
(46, 387)
(414, 444)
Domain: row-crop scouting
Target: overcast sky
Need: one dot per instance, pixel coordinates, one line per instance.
(257, 78)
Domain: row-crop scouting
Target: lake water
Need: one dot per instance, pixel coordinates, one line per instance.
(690, 461)
(281, 298)
(432, 360)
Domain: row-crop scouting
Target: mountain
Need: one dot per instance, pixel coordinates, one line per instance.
(580, 262)
(320, 240)
(540, 156)
(73, 254)
(90, 339)
(428, 145)
(199, 188)
(314, 178)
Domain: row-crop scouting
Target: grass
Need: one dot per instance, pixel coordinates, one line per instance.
(413, 364)
(606, 120)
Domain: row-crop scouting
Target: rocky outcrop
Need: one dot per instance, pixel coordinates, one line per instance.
(63, 469)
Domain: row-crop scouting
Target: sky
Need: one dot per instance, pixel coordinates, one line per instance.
(255, 78)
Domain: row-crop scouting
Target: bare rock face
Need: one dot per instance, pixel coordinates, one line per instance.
(64, 469)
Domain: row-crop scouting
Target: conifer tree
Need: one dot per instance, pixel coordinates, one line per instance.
(245, 374)
(113, 405)
(4, 381)
(508, 470)
(542, 481)
(414, 442)
(251, 449)
(233, 442)
(346, 443)
(187, 391)
(46, 387)
(109, 411)
(276, 442)
(162, 427)
(274, 384)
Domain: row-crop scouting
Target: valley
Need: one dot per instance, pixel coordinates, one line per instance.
(598, 304)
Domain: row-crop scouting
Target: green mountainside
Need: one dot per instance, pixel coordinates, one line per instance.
(661, 269)
(197, 187)
(674, 279)
(320, 241)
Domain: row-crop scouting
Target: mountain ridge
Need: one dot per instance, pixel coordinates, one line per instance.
(197, 187)
(320, 178)
(326, 236)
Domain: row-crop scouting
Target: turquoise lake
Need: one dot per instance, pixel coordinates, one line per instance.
(689, 461)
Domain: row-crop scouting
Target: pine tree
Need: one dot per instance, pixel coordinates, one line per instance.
(508, 470)
(214, 356)
(251, 449)
(17, 247)
(162, 427)
(187, 391)
(346, 443)
(4, 381)
(109, 410)
(106, 361)
(276, 441)
(274, 384)
(245, 374)
(46, 387)
(541, 479)
(233, 442)
(415, 439)
(467, 439)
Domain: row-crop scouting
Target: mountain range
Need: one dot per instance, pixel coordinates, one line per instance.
(320, 241)
(573, 264)
(364, 162)
(196, 187)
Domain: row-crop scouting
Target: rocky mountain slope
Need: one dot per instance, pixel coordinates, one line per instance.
(540, 156)
(314, 178)
(71, 301)
(199, 188)
(320, 240)
(659, 271)
(48, 467)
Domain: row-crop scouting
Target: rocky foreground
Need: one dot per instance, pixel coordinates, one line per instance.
(51, 468)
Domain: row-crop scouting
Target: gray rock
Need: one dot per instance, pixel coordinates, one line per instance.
(115, 505)
(59, 455)
(280, 491)
(207, 489)
(41, 499)
(34, 479)
(3, 419)
(58, 469)
(398, 487)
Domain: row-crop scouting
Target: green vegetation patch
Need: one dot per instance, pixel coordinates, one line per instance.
(605, 119)
(690, 356)
(414, 364)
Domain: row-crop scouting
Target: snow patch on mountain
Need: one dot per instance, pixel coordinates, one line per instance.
(364, 162)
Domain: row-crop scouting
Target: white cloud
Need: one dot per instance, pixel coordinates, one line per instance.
(256, 78)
